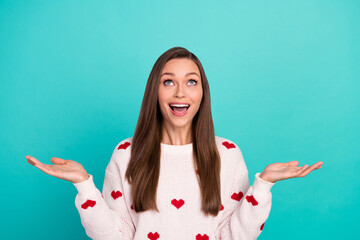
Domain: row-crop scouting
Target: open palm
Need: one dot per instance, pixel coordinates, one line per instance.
(281, 171)
(68, 170)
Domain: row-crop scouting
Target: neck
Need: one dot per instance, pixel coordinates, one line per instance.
(176, 135)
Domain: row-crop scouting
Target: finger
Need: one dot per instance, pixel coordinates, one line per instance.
(43, 167)
(308, 170)
(318, 166)
(33, 161)
(302, 169)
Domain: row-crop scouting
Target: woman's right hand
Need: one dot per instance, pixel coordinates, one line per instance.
(68, 170)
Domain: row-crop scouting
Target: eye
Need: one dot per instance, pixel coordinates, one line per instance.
(192, 82)
(167, 81)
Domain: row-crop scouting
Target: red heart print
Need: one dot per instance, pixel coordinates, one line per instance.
(197, 171)
(222, 207)
(116, 194)
(88, 203)
(124, 145)
(102, 196)
(202, 237)
(177, 203)
(228, 145)
(237, 196)
(132, 207)
(262, 227)
(251, 200)
(153, 236)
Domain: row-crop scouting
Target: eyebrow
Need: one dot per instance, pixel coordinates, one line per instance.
(172, 74)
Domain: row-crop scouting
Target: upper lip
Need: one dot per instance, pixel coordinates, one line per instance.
(183, 103)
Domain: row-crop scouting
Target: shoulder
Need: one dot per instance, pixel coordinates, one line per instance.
(120, 156)
(124, 144)
(226, 145)
(230, 152)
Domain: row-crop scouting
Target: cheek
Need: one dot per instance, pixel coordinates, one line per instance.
(163, 99)
(198, 97)
(161, 96)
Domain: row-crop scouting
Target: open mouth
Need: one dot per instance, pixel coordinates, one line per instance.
(179, 108)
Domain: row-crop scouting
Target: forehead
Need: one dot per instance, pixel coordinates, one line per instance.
(181, 66)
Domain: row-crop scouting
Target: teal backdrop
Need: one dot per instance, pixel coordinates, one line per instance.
(284, 81)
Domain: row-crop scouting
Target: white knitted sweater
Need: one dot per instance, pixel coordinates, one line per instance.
(110, 215)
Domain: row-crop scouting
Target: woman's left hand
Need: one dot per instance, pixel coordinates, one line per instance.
(281, 171)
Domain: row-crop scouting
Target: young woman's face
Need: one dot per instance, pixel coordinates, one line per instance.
(180, 92)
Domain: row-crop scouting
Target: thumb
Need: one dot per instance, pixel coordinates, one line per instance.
(295, 163)
(56, 160)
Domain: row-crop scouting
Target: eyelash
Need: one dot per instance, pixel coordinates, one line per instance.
(171, 80)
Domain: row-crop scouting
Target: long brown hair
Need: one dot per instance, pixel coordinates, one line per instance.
(144, 166)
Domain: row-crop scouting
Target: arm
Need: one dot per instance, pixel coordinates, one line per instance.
(104, 216)
(246, 208)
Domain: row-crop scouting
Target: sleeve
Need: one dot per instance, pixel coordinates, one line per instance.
(104, 216)
(246, 208)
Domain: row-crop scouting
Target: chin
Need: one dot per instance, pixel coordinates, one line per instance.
(179, 123)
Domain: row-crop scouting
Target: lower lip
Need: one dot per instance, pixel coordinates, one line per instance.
(178, 114)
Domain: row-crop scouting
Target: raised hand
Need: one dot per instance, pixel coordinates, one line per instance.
(68, 170)
(281, 171)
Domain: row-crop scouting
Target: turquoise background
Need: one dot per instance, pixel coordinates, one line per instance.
(284, 80)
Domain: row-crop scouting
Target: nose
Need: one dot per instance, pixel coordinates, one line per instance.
(179, 93)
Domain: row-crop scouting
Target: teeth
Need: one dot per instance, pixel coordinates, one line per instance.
(179, 105)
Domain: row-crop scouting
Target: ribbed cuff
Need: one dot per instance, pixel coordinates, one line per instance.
(262, 185)
(86, 187)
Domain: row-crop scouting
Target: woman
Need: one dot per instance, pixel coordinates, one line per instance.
(174, 179)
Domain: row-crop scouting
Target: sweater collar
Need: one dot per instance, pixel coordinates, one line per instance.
(176, 148)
